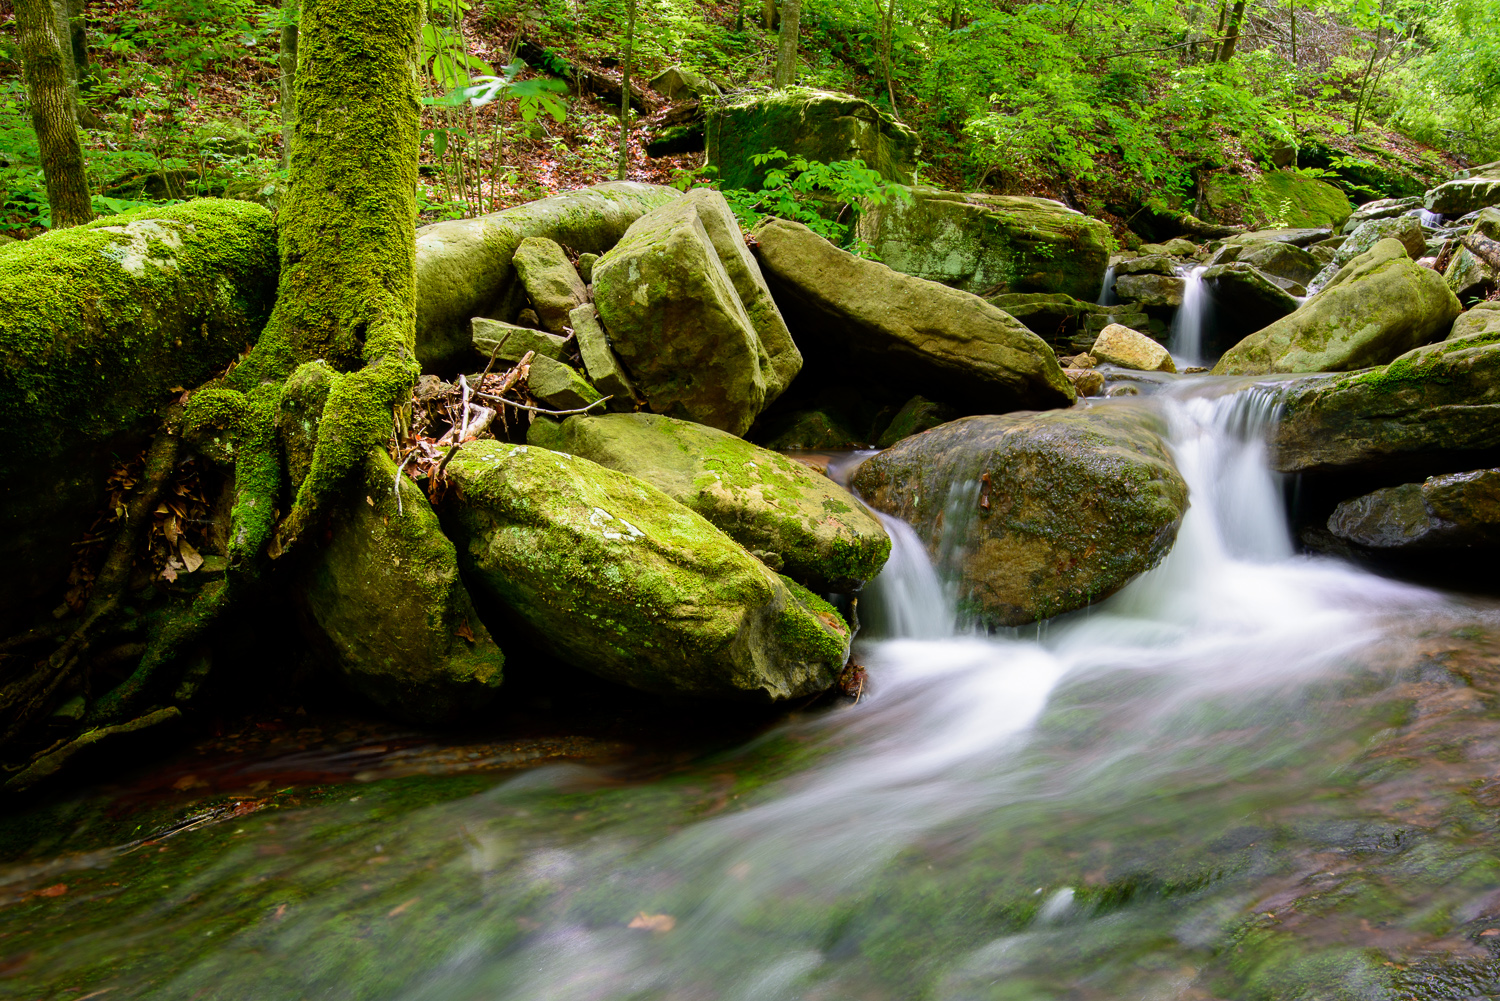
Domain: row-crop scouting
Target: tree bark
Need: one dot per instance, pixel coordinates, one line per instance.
(286, 61)
(1219, 29)
(624, 167)
(54, 111)
(786, 43)
(1232, 36)
(768, 11)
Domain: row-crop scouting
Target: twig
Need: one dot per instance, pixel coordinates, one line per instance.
(543, 410)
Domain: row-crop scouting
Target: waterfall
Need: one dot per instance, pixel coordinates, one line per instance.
(1107, 295)
(1186, 339)
(906, 599)
(1432, 220)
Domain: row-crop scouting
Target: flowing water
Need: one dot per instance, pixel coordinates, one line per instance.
(1430, 219)
(1190, 321)
(1107, 295)
(1186, 791)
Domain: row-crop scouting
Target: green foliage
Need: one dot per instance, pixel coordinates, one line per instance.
(818, 195)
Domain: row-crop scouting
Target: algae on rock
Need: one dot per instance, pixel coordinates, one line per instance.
(617, 578)
(824, 537)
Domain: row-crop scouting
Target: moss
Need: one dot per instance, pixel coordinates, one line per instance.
(812, 625)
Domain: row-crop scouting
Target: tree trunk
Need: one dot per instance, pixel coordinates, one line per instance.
(769, 12)
(890, 39)
(786, 43)
(54, 111)
(739, 16)
(956, 15)
(1219, 29)
(78, 40)
(1364, 83)
(286, 61)
(625, 90)
(1232, 36)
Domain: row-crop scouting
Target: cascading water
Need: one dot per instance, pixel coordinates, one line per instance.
(1430, 219)
(1186, 337)
(1092, 816)
(1107, 295)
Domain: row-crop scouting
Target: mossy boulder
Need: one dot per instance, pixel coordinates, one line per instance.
(918, 414)
(1151, 291)
(822, 536)
(1119, 345)
(1291, 199)
(610, 574)
(1456, 511)
(669, 295)
(1243, 300)
(1052, 316)
(1378, 306)
(989, 244)
(1436, 406)
(1041, 513)
(678, 83)
(509, 342)
(1381, 208)
(1483, 318)
(465, 266)
(386, 600)
(1404, 229)
(942, 342)
(551, 283)
(816, 124)
(101, 326)
(1467, 274)
(1462, 196)
(1282, 260)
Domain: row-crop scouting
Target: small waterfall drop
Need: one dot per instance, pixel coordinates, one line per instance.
(1107, 295)
(1186, 339)
(1430, 219)
(906, 600)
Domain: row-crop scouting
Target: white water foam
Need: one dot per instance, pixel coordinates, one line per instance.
(1186, 338)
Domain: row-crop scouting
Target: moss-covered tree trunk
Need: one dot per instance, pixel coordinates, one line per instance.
(47, 56)
(286, 61)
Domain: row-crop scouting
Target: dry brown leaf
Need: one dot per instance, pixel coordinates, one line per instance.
(463, 631)
(653, 922)
(190, 558)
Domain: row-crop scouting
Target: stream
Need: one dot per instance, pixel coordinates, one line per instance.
(1249, 774)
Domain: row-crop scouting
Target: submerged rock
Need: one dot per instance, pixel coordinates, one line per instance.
(101, 326)
(1456, 511)
(388, 604)
(615, 577)
(989, 244)
(690, 315)
(766, 502)
(815, 124)
(1379, 305)
(1035, 514)
(465, 267)
(944, 343)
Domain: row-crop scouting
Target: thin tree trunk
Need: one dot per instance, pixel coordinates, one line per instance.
(1219, 29)
(768, 10)
(286, 61)
(625, 90)
(1364, 83)
(786, 43)
(1232, 36)
(1380, 73)
(54, 111)
(890, 32)
(956, 16)
(78, 43)
(739, 16)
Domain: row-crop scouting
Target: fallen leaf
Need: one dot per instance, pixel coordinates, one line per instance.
(653, 922)
(56, 890)
(170, 530)
(190, 557)
(464, 632)
(169, 573)
(401, 907)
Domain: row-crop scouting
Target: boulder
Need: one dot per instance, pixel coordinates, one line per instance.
(1467, 194)
(509, 342)
(816, 429)
(1467, 274)
(1147, 264)
(1086, 381)
(1404, 229)
(676, 321)
(559, 386)
(819, 533)
(814, 124)
(1293, 199)
(1118, 345)
(1379, 305)
(586, 267)
(943, 343)
(388, 605)
(678, 83)
(550, 281)
(1381, 208)
(465, 266)
(1243, 300)
(1299, 237)
(1434, 407)
(1052, 316)
(1150, 290)
(918, 414)
(1281, 260)
(989, 244)
(1033, 515)
(609, 574)
(1456, 511)
(1483, 318)
(101, 326)
(599, 360)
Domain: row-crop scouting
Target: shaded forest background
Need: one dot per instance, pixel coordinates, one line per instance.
(1119, 108)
